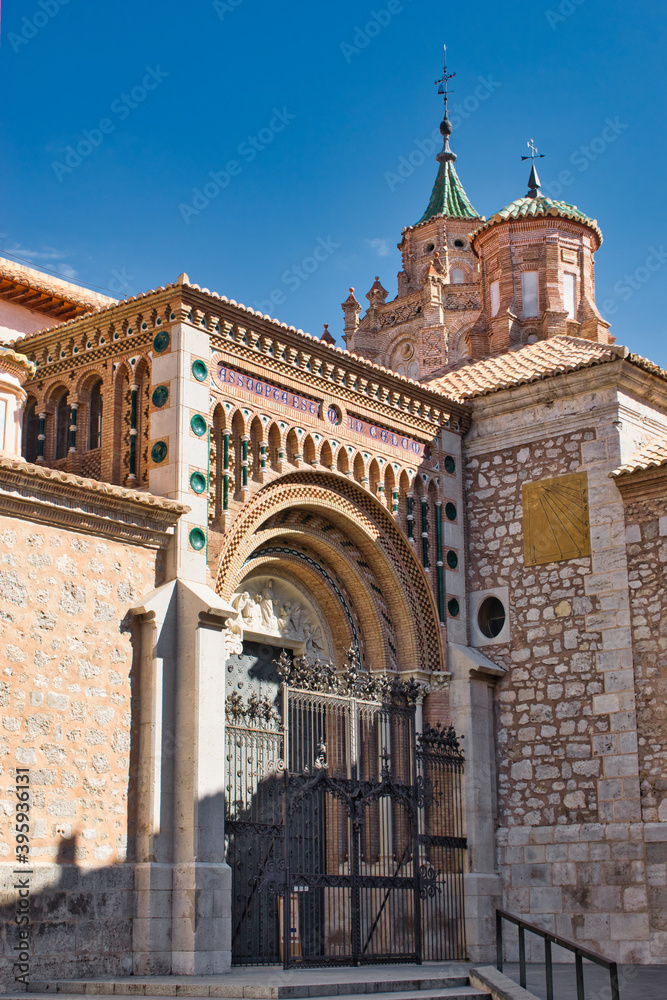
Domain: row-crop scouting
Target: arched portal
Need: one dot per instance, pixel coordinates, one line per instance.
(315, 567)
(334, 539)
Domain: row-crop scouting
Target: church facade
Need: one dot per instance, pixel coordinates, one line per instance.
(249, 576)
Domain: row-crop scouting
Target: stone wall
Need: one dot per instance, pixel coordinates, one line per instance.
(546, 766)
(570, 835)
(647, 556)
(66, 700)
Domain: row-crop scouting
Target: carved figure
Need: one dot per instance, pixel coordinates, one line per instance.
(266, 605)
(313, 639)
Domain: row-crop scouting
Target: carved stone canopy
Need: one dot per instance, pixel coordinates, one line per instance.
(270, 607)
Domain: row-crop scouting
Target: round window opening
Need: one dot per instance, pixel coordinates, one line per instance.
(429, 248)
(491, 617)
(459, 243)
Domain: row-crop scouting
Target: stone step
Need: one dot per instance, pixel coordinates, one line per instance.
(258, 986)
(461, 991)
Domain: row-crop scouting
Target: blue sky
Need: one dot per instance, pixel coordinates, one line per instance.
(303, 114)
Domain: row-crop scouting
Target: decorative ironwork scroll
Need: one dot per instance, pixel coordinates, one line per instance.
(344, 826)
(349, 681)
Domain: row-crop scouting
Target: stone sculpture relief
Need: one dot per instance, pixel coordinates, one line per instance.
(272, 608)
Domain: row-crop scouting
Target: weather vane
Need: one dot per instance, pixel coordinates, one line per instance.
(533, 180)
(533, 152)
(443, 81)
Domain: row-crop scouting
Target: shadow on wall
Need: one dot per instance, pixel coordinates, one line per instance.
(80, 920)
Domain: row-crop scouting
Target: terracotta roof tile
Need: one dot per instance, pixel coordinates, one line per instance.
(15, 363)
(50, 285)
(652, 456)
(468, 379)
(537, 207)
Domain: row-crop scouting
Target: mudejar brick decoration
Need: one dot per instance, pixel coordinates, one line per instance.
(470, 497)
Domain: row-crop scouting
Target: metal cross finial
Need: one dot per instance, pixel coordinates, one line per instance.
(533, 152)
(533, 180)
(443, 81)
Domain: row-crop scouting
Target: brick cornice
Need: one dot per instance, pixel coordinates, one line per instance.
(248, 335)
(58, 498)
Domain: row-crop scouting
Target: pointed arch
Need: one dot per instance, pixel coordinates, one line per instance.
(292, 447)
(254, 448)
(359, 469)
(309, 450)
(390, 479)
(94, 415)
(326, 456)
(390, 488)
(61, 426)
(274, 439)
(343, 462)
(404, 488)
(374, 478)
(216, 464)
(121, 422)
(419, 487)
(142, 381)
(238, 434)
(130, 465)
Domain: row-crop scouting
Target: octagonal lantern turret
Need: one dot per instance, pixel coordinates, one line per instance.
(536, 260)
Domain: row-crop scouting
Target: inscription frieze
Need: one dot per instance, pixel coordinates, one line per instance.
(399, 441)
(229, 379)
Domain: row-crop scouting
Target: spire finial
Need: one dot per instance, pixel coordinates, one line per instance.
(445, 125)
(533, 181)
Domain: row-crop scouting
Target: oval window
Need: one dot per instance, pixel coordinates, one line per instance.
(491, 617)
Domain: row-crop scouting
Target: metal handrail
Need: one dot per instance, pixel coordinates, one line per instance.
(579, 955)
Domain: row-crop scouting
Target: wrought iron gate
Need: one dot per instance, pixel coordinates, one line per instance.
(344, 828)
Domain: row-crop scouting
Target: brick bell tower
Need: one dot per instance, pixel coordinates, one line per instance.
(536, 263)
(438, 299)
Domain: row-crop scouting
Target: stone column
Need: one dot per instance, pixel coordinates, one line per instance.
(183, 923)
(201, 943)
(153, 871)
